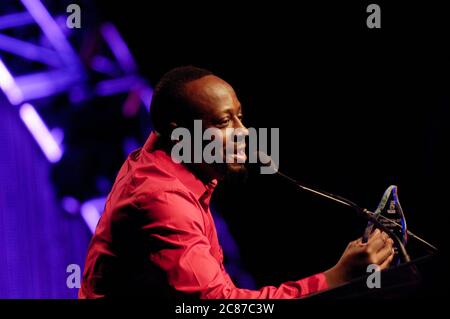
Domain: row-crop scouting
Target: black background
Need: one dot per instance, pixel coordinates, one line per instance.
(358, 110)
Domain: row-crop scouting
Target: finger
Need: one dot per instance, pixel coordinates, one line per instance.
(374, 242)
(375, 245)
(357, 244)
(387, 243)
(383, 254)
(384, 235)
(387, 262)
(376, 233)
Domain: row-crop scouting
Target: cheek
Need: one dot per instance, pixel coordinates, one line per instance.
(228, 139)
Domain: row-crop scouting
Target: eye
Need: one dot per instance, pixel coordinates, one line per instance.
(240, 117)
(224, 121)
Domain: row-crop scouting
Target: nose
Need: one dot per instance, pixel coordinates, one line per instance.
(241, 127)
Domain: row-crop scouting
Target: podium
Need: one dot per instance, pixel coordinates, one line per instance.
(419, 278)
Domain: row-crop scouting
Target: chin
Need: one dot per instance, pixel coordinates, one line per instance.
(236, 167)
(236, 173)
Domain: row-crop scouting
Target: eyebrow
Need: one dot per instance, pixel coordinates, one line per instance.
(239, 108)
(229, 109)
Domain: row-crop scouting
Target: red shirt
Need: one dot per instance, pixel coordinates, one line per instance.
(157, 238)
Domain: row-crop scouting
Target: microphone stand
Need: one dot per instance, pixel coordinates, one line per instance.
(363, 212)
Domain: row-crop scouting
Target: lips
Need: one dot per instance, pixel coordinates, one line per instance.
(239, 156)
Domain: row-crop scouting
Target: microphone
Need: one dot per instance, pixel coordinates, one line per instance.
(266, 160)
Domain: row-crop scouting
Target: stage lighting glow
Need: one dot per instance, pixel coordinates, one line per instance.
(40, 132)
(118, 47)
(146, 97)
(9, 86)
(70, 205)
(91, 212)
(116, 86)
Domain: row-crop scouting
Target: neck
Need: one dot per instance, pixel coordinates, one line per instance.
(203, 171)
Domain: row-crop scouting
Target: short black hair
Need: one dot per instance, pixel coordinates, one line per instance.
(169, 101)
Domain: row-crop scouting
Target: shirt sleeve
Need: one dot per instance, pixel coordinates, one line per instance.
(175, 227)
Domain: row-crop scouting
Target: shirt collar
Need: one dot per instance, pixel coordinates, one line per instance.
(180, 171)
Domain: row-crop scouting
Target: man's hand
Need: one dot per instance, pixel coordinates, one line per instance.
(358, 255)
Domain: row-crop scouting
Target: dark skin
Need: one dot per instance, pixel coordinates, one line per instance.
(215, 102)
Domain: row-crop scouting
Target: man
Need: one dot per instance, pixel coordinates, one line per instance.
(156, 236)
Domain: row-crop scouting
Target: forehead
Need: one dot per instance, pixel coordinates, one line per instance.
(211, 94)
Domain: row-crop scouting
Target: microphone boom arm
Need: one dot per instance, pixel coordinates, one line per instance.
(365, 213)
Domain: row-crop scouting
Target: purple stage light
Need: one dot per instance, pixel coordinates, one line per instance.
(129, 145)
(52, 31)
(118, 47)
(15, 20)
(146, 97)
(104, 65)
(70, 205)
(115, 86)
(29, 51)
(9, 85)
(39, 85)
(91, 212)
(40, 132)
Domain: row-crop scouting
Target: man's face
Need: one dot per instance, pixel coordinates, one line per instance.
(216, 104)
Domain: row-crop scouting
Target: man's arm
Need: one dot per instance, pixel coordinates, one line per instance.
(176, 232)
(358, 255)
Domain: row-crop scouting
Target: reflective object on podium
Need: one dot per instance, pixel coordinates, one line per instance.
(394, 219)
